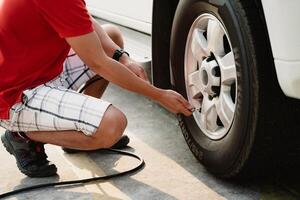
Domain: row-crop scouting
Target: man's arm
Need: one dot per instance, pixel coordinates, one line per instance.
(88, 47)
(109, 47)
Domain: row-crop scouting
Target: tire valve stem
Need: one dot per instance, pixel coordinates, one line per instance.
(195, 109)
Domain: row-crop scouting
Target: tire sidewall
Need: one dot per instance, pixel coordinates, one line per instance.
(220, 156)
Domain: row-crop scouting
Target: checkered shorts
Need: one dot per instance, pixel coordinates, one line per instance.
(57, 106)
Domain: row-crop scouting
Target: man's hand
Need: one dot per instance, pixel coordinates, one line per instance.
(137, 70)
(134, 67)
(175, 103)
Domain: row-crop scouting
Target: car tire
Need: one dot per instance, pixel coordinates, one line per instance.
(246, 149)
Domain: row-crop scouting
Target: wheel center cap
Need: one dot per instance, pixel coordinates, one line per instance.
(210, 81)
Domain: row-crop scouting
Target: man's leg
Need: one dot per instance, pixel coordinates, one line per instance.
(108, 133)
(91, 123)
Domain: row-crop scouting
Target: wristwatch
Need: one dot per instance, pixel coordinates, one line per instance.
(118, 53)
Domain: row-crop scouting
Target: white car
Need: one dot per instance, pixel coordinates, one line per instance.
(237, 62)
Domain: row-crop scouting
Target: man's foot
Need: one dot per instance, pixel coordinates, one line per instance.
(30, 156)
(122, 143)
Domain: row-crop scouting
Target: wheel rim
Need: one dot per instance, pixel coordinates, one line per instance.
(210, 76)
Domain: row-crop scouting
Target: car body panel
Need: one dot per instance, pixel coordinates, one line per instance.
(283, 23)
(135, 14)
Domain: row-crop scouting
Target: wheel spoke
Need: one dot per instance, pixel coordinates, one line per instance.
(208, 115)
(225, 108)
(215, 38)
(228, 69)
(199, 45)
(195, 84)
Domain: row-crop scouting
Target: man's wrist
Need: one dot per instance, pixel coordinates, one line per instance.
(157, 93)
(119, 53)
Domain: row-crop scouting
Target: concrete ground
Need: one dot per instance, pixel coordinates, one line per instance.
(171, 171)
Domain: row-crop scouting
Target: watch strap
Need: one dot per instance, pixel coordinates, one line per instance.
(118, 53)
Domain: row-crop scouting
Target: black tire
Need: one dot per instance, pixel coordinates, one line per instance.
(247, 147)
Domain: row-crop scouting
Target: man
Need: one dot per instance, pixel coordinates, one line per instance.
(39, 79)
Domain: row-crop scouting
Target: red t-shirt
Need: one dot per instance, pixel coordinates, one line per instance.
(32, 44)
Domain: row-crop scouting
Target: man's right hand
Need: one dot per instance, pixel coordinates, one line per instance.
(174, 102)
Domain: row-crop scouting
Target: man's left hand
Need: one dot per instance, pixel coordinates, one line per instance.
(137, 70)
(134, 67)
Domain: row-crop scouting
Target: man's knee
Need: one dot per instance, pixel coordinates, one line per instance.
(111, 128)
(115, 34)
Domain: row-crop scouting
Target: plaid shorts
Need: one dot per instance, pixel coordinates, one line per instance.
(57, 106)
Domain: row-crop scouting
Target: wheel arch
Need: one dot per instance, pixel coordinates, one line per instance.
(162, 20)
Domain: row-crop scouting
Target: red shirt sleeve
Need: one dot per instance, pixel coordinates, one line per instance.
(69, 18)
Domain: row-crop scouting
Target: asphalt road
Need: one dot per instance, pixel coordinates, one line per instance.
(171, 171)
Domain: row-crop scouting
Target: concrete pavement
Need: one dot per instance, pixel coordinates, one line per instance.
(171, 171)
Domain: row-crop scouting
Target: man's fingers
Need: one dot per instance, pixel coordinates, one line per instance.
(185, 103)
(175, 103)
(185, 110)
(142, 74)
(145, 76)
